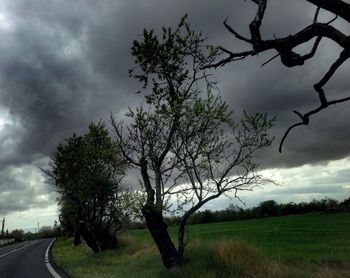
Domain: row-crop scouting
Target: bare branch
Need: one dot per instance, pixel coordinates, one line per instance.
(306, 119)
(269, 60)
(332, 20)
(338, 7)
(231, 58)
(254, 26)
(345, 54)
(121, 143)
(237, 35)
(316, 14)
(285, 48)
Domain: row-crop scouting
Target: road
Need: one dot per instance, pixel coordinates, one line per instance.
(27, 260)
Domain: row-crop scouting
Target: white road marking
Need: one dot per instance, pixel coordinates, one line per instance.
(14, 250)
(47, 261)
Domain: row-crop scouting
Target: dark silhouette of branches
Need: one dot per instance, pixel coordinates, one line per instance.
(289, 57)
(184, 143)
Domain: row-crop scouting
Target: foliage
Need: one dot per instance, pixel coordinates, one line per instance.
(49, 232)
(17, 235)
(184, 142)
(87, 172)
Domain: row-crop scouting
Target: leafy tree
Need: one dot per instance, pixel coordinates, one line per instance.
(346, 202)
(87, 172)
(17, 235)
(185, 144)
(268, 208)
(286, 48)
(47, 232)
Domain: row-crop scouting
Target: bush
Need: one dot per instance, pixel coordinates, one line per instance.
(17, 235)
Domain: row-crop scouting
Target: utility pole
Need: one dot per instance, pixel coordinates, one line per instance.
(3, 227)
(38, 227)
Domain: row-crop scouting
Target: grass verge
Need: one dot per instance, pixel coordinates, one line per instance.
(224, 258)
(295, 246)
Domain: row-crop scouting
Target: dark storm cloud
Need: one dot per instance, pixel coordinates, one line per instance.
(42, 87)
(65, 63)
(22, 188)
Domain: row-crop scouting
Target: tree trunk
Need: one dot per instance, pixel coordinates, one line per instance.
(181, 238)
(89, 238)
(182, 224)
(105, 238)
(158, 229)
(77, 240)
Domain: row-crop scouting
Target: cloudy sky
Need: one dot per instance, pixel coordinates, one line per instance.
(65, 63)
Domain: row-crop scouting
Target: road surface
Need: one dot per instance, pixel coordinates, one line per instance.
(28, 259)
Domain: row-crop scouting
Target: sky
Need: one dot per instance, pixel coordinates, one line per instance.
(64, 64)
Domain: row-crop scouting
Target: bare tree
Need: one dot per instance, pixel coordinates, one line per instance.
(289, 57)
(184, 143)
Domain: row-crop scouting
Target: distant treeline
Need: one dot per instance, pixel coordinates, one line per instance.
(18, 235)
(264, 209)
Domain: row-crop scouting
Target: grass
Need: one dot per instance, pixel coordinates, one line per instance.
(295, 237)
(314, 245)
(81, 262)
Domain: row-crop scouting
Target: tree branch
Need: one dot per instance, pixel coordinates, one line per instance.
(337, 7)
(237, 35)
(344, 55)
(284, 46)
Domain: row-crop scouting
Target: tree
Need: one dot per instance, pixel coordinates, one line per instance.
(46, 232)
(184, 143)
(17, 235)
(268, 208)
(87, 172)
(285, 48)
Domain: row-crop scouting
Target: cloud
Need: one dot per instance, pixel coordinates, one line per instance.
(329, 179)
(65, 63)
(24, 187)
(309, 190)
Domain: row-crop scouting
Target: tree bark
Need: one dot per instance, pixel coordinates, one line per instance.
(105, 238)
(158, 229)
(89, 238)
(181, 238)
(77, 240)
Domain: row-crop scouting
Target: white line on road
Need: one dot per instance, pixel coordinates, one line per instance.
(47, 262)
(14, 250)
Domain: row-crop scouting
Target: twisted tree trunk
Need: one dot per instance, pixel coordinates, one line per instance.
(158, 229)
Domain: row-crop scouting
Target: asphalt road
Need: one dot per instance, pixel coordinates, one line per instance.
(27, 260)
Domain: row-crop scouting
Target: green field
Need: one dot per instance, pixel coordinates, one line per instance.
(308, 245)
(310, 236)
